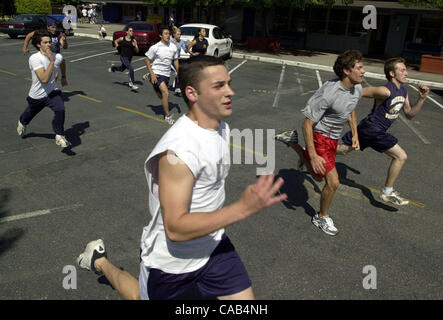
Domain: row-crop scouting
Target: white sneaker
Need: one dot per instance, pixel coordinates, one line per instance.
(94, 250)
(133, 86)
(146, 76)
(394, 197)
(325, 224)
(178, 90)
(61, 141)
(110, 68)
(169, 120)
(21, 129)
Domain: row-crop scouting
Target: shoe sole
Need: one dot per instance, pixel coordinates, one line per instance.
(315, 223)
(393, 202)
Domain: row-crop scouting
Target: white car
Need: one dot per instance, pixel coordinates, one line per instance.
(220, 44)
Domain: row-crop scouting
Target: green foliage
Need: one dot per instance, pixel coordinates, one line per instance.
(423, 3)
(66, 2)
(33, 6)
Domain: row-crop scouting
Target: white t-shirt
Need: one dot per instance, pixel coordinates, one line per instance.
(207, 155)
(161, 56)
(38, 89)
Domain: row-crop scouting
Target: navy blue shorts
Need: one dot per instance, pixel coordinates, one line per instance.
(380, 141)
(224, 274)
(160, 79)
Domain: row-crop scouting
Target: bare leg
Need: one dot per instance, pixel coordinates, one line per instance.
(125, 284)
(399, 157)
(343, 149)
(300, 151)
(246, 294)
(165, 98)
(328, 192)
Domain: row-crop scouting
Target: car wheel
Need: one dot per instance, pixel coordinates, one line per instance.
(216, 53)
(12, 36)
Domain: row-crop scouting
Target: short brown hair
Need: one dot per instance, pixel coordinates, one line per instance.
(390, 65)
(37, 37)
(346, 60)
(190, 72)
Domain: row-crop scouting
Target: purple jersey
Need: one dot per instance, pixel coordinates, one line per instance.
(382, 116)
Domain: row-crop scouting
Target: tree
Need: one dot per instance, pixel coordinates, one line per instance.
(6, 7)
(33, 6)
(423, 3)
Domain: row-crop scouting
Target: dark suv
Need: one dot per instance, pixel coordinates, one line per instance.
(25, 23)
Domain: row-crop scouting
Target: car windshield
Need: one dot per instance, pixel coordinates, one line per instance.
(24, 18)
(192, 31)
(140, 27)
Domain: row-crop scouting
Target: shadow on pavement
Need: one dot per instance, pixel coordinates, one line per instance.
(295, 190)
(10, 236)
(158, 110)
(343, 169)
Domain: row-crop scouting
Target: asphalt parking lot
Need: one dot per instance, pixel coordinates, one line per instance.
(53, 201)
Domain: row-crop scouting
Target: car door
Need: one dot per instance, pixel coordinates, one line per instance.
(221, 44)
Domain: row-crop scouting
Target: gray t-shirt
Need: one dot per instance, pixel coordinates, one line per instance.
(331, 106)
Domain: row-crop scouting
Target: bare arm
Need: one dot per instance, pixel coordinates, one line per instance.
(176, 178)
(117, 41)
(63, 41)
(379, 93)
(176, 65)
(149, 67)
(411, 112)
(27, 40)
(134, 43)
(317, 162)
(353, 125)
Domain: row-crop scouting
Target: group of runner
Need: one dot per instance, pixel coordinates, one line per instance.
(185, 242)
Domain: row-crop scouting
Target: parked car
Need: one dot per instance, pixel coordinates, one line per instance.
(220, 43)
(146, 34)
(25, 23)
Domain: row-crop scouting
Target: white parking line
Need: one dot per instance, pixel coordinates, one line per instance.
(38, 213)
(82, 44)
(430, 98)
(11, 44)
(318, 78)
(238, 66)
(95, 55)
(280, 82)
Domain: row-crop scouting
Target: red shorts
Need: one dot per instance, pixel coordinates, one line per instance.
(325, 148)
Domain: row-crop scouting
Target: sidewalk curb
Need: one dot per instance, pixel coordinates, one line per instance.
(328, 68)
(296, 64)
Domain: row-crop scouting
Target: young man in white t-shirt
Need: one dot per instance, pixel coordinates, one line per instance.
(185, 243)
(159, 59)
(44, 67)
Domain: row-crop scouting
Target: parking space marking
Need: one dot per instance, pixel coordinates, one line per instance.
(81, 44)
(83, 96)
(430, 98)
(7, 72)
(94, 55)
(38, 213)
(163, 121)
(238, 66)
(280, 82)
(318, 78)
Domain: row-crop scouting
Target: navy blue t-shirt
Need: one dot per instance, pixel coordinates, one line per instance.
(384, 115)
(55, 42)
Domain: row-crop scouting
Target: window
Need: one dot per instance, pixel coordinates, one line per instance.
(337, 21)
(411, 28)
(281, 19)
(139, 27)
(317, 20)
(192, 31)
(216, 33)
(429, 28)
(298, 23)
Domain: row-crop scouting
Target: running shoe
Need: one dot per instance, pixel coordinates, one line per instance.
(110, 69)
(146, 76)
(169, 120)
(21, 129)
(394, 197)
(94, 250)
(178, 90)
(133, 86)
(61, 141)
(287, 137)
(325, 224)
